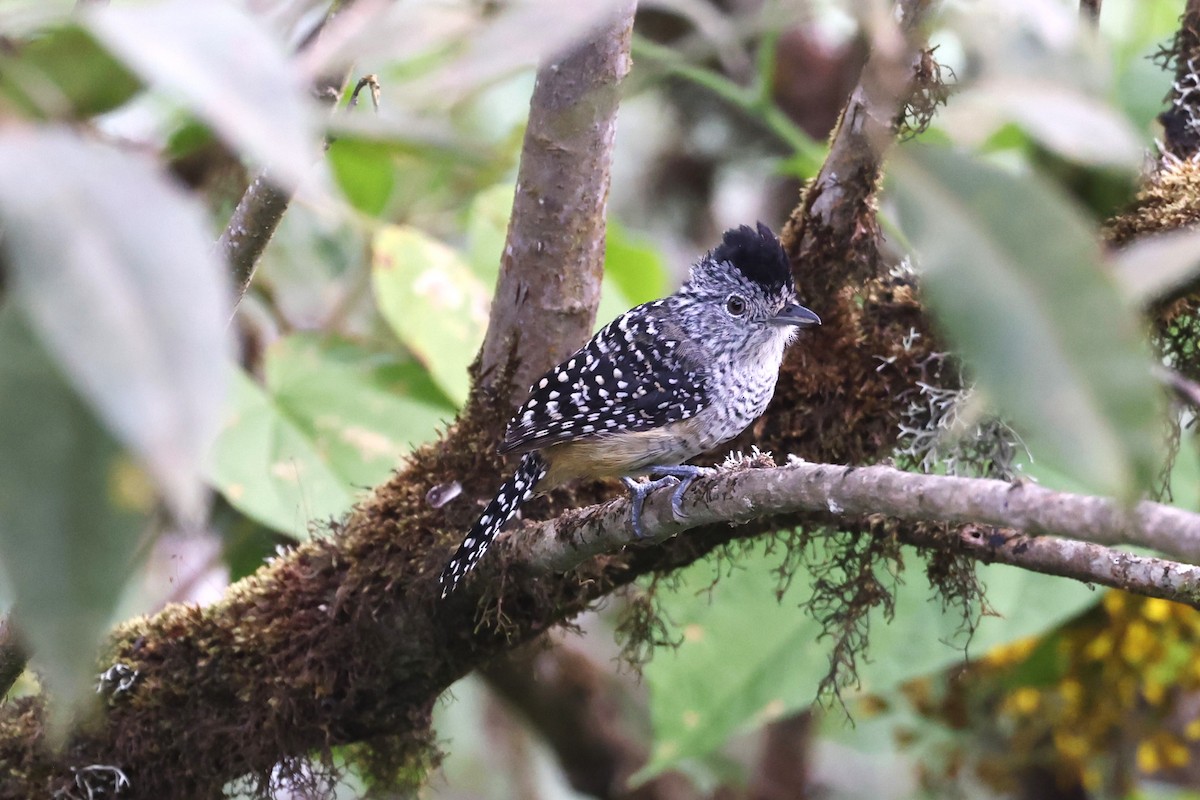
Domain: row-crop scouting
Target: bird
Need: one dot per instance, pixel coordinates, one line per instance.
(659, 385)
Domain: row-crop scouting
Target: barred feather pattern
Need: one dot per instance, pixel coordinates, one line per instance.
(636, 374)
(503, 507)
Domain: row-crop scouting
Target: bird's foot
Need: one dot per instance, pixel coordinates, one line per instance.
(683, 474)
(637, 498)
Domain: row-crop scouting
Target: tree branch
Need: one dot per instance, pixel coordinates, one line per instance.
(836, 209)
(1086, 562)
(834, 402)
(261, 208)
(250, 229)
(549, 287)
(838, 493)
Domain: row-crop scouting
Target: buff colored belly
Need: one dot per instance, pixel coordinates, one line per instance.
(625, 453)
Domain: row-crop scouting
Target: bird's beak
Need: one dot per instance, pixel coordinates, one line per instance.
(795, 314)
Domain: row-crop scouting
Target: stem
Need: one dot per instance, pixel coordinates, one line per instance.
(754, 101)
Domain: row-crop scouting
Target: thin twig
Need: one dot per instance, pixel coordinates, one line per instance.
(1086, 562)
(367, 80)
(251, 227)
(751, 100)
(1185, 389)
(261, 208)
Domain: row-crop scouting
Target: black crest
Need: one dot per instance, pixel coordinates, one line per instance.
(757, 254)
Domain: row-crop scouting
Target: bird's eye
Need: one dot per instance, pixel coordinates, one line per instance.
(735, 305)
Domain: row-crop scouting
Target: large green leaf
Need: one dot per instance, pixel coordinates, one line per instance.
(72, 509)
(746, 659)
(221, 63)
(65, 72)
(433, 301)
(333, 419)
(113, 266)
(365, 173)
(270, 470)
(1014, 275)
(362, 409)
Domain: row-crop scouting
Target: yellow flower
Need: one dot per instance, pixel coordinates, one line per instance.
(1100, 647)
(1138, 642)
(1114, 603)
(1175, 752)
(1025, 700)
(1071, 692)
(1156, 609)
(1070, 745)
(1011, 653)
(1147, 757)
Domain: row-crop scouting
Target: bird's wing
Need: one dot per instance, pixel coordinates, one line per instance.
(634, 375)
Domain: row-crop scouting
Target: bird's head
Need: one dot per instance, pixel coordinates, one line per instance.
(746, 284)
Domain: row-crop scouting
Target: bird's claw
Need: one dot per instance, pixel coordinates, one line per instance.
(683, 475)
(637, 497)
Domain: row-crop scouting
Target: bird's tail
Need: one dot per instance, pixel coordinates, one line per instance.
(504, 505)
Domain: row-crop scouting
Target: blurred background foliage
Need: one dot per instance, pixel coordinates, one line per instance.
(129, 130)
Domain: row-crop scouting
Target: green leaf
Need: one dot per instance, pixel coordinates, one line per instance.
(633, 273)
(1015, 277)
(487, 230)
(634, 265)
(226, 68)
(432, 301)
(270, 470)
(65, 72)
(363, 410)
(333, 419)
(72, 509)
(113, 266)
(365, 173)
(746, 659)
